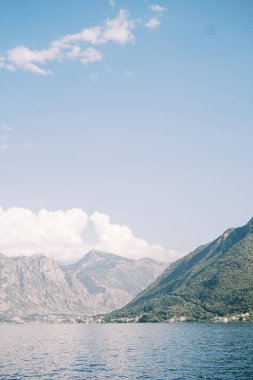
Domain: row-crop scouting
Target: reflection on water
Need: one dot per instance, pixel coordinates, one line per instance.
(127, 351)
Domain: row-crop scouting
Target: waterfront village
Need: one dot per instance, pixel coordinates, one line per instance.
(68, 319)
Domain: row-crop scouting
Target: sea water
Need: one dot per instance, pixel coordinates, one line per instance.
(127, 351)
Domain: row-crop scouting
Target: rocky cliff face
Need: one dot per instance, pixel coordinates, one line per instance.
(98, 283)
(37, 285)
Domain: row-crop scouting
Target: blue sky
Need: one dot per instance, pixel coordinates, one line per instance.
(155, 131)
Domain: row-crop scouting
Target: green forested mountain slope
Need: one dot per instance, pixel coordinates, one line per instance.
(215, 279)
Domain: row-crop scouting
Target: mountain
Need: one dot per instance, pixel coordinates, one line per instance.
(214, 280)
(98, 283)
(37, 285)
(113, 280)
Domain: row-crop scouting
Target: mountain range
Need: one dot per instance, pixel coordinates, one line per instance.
(99, 283)
(215, 280)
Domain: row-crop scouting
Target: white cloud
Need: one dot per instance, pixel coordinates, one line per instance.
(27, 59)
(157, 8)
(119, 30)
(6, 66)
(91, 55)
(71, 47)
(89, 35)
(153, 23)
(121, 240)
(74, 52)
(54, 233)
(63, 235)
(111, 2)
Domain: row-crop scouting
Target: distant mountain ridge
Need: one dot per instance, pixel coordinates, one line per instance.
(98, 283)
(214, 280)
(114, 280)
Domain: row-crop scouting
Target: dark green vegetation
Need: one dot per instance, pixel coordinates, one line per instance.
(214, 280)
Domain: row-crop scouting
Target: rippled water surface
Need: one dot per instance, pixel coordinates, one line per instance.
(127, 351)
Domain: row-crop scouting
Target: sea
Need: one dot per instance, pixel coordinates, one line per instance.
(179, 351)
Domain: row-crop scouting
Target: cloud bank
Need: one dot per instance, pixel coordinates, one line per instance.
(79, 46)
(63, 235)
(54, 233)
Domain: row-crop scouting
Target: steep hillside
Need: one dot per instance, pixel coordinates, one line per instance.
(215, 279)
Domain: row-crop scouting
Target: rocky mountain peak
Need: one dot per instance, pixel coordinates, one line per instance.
(98, 283)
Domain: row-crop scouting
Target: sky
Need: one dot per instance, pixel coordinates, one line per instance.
(125, 126)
